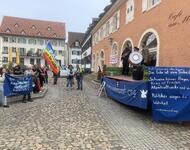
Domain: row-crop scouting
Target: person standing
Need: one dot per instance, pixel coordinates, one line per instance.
(17, 71)
(28, 72)
(70, 75)
(79, 77)
(125, 59)
(55, 76)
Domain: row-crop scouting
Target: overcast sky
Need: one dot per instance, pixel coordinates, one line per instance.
(77, 14)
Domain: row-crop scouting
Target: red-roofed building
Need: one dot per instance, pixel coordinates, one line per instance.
(30, 37)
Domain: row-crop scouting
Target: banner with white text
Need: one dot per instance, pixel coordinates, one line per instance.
(170, 93)
(129, 93)
(17, 85)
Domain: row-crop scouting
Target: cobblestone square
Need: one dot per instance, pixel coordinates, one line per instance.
(79, 120)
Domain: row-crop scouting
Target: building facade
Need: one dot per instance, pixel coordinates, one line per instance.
(29, 37)
(74, 47)
(87, 53)
(161, 25)
(87, 47)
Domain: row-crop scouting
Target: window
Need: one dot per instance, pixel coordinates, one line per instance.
(115, 21)
(22, 40)
(23, 32)
(41, 42)
(74, 61)
(130, 11)
(14, 49)
(38, 61)
(104, 31)
(61, 43)
(22, 61)
(39, 34)
(114, 49)
(101, 33)
(31, 52)
(32, 41)
(55, 35)
(14, 60)
(5, 39)
(39, 52)
(13, 39)
(60, 52)
(8, 30)
(32, 61)
(5, 59)
(77, 44)
(74, 52)
(54, 43)
(63, 53)
(22, 51)
(79, 53)
(107, 28)
(33, 27)
(16, 25)
(148, 4)
(5, 50)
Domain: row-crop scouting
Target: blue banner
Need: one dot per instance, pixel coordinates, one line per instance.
(170, 93)
(17, 85)
(129, 93)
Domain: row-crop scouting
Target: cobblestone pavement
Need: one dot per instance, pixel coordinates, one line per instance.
(63, 120)
(136, 128)
(78, 120)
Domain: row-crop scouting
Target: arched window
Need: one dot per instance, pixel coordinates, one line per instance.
(149, 48)
(114, 49)
(127, 46)
(114, 54)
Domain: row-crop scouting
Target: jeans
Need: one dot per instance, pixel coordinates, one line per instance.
(69, 82)
(79, 82)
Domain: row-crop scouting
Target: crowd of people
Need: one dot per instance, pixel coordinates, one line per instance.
(71, 74)
(39, 76)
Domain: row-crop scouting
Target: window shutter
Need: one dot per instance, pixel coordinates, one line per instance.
(144, 5)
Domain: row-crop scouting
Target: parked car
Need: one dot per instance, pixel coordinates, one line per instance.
(63, 72)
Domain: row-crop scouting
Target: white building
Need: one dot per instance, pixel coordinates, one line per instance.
(30, 37)
(74, 47)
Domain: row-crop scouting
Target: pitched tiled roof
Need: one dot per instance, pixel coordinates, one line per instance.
(32, 28)
(75, 36)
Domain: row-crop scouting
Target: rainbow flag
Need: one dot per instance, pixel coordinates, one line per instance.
(49, 56)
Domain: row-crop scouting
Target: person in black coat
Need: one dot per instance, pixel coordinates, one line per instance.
(125, 59)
